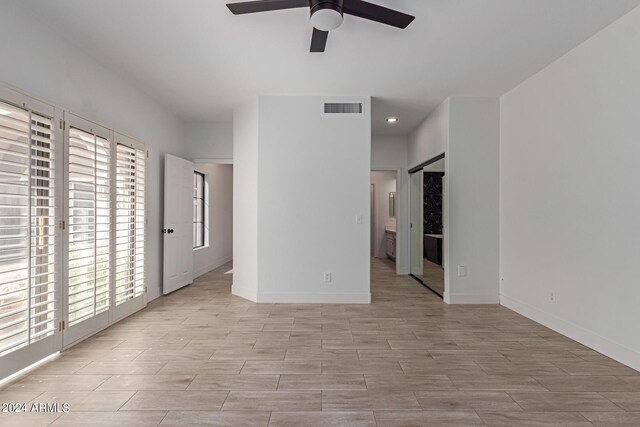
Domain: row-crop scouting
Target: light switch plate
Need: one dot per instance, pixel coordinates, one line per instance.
(462, 270)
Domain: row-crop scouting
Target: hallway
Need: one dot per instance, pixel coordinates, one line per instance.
(201, 356)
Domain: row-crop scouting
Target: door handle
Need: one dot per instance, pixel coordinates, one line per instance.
(165, 231)
(170, 231)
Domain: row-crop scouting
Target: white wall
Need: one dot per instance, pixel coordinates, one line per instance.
(466, 130)
(569, 185)
(384, 183)
(388, 152)
(472, 201)
(312, 174)
(430, 138)
(314, 179)
(219, 208)
(209, 142)
(36, 61)
(245, 201)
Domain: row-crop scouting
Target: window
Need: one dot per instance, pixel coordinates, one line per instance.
(199, 209)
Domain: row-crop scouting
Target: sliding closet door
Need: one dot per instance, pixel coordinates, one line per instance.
(130, 226)
(89, 253)
(29, 241)
(417, 224)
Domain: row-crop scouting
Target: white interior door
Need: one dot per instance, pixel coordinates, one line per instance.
(417, 224)
(178, 223)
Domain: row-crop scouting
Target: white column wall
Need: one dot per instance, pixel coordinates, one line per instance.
(245, 201)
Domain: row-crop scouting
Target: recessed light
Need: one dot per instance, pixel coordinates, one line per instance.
(392, 120)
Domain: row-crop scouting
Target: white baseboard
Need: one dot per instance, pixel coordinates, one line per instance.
(243, 293)
(217, 263)
(577, 333)
(308, 298)
(450, 298)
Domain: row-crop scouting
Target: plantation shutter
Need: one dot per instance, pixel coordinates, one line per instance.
(89, 247)
(27, 228)
(130, 223)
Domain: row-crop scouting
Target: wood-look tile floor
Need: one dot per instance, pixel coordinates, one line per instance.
(432, 276)
(202, 357)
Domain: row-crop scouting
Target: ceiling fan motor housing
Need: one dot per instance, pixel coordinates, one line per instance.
(326, 15)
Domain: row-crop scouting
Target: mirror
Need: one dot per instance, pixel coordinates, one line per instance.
(392, 205)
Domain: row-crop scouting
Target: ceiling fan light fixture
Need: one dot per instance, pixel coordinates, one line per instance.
(326, 15)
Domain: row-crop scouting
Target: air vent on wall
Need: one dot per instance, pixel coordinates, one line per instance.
(343, 108)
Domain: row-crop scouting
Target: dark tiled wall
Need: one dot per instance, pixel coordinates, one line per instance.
(433, 202)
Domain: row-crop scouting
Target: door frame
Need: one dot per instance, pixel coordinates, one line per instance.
(372, 221)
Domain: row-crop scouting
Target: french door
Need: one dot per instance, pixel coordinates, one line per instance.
(105, 238)
(130, 226)
(72, 229)
(88, 244)
(30, 244)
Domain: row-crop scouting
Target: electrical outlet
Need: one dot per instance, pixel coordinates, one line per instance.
(462, 270)
(553, 297)
(326, 277)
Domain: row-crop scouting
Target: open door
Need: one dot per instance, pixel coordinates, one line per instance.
(178, 223)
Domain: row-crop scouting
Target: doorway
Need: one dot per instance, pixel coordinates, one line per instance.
(383, 215)
(428, 224)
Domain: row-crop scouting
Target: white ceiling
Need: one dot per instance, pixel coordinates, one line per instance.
(200, 61)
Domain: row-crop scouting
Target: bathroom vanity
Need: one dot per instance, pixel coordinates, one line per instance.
(390, 233)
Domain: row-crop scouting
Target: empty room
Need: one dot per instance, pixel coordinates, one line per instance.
(319, 213)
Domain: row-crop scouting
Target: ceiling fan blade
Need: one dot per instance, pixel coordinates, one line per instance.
(265, 6)
(319, 40)
(373, 12)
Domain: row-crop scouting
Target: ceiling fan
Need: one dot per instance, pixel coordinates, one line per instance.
(326, 15)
